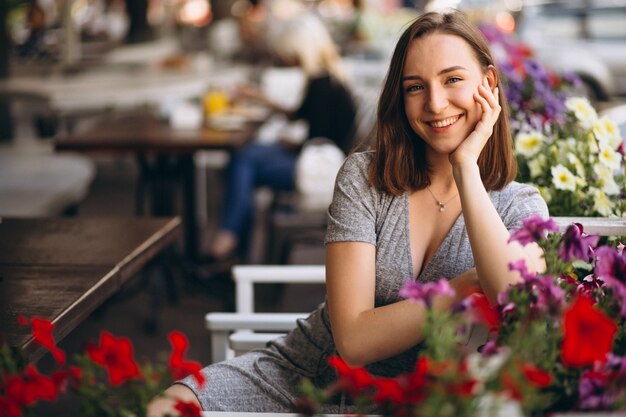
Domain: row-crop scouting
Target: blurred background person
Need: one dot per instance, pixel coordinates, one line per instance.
(327, 107)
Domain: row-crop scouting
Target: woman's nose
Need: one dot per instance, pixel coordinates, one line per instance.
(437, 100)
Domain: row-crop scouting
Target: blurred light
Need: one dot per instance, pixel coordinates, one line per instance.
(195, 12)
(286, 9)
(438, 5)
(505, 22)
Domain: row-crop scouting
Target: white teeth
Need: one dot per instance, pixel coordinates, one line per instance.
(444, 122)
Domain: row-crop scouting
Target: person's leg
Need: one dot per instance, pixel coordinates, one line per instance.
(255, 165)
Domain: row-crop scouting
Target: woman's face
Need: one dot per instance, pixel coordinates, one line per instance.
(441, 75)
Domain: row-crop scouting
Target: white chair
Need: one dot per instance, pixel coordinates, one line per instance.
(235, 333)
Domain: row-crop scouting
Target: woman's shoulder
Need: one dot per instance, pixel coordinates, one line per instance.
(358, 161)
(517, 188)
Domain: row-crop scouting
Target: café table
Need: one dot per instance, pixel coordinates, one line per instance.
(62, 269)
(163, 154)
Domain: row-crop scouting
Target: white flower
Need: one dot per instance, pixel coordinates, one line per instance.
(601, 203)
(493, 404)
(580, 169)
(536, 165)
(609, 157)
(583, 111)
(607, 132)
(563, 179)
(606, 179)
(528, 143)
(482, 367)
(546, 194)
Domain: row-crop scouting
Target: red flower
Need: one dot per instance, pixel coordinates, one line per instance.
(62, 377)
(388, 391)
(28, 388)
(188, 409)
(42, 334)
(354, 380)
(588, 334)
(180, 367)
(116, 355)
(538, 377)
(488, 314)
(9, 408)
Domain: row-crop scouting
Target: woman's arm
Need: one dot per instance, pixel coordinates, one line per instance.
(487, 233)
(364, 334)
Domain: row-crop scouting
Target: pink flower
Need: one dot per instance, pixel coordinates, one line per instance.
(575, 244)
(534, 228)
(418, 292)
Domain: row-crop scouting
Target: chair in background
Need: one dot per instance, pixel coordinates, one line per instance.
(35, 182)
(290, 221)
(235, 333)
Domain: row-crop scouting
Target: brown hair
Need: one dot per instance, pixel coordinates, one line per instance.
(399, 163)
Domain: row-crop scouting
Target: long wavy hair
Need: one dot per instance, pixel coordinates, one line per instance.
(399, 163)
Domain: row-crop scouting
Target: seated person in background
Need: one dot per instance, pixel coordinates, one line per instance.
(434, 197)
(327, 107)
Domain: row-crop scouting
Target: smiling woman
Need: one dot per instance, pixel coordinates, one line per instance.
(441, 130)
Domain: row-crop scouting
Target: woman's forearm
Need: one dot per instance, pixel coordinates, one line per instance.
(488, 235)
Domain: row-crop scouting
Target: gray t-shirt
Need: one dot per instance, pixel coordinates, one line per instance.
(360, 213)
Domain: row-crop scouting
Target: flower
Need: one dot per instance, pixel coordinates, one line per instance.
(180, 367)
(188, 409)
(557, 340)
(417, 292)
(106, 378)
(42, 334)
(588, 335)
(116, 355)
(574, 157)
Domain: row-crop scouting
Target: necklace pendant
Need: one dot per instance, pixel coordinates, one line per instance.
(442, 207)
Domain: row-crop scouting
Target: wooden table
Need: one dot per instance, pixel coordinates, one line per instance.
(144, 135)
(63, 268)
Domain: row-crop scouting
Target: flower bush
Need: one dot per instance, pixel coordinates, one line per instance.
(574, 157)
(557, 341)
(107, 379)
(578, 164)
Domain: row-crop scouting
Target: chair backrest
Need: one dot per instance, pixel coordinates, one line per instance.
(595, 225)
(246, 276)
(235, 333)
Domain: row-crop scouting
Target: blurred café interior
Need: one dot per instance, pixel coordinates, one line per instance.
(116, 112)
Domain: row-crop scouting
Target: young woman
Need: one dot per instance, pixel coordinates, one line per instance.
(436, 197)
(327, 107)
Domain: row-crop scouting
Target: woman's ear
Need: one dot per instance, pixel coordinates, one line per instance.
(492, 77)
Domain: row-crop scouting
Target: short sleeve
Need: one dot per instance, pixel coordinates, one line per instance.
(520, 201)
(352, 213)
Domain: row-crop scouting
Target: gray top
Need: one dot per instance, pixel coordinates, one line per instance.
(360, 213)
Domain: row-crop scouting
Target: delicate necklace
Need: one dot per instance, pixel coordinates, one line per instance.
(441, 205)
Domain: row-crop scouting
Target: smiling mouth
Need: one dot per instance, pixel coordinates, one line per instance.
(445, 122)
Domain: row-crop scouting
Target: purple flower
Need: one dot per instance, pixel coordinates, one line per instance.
(575, 244)
(610, 264)
(593, 391)
(418, 292)
(533, 229)
(520, 266)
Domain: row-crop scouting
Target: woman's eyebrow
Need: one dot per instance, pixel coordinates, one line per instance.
(443, 71)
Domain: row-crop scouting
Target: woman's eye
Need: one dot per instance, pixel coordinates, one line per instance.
(453, 80)
(413, 88)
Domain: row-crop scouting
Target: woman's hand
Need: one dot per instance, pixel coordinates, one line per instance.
(465, 284)
(472, 146)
